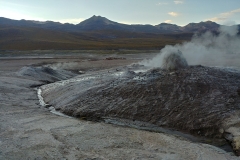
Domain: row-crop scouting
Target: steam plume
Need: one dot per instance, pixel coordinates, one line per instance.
(207, 49)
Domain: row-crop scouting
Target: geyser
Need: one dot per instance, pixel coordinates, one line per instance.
(174, 61)
(209, 49)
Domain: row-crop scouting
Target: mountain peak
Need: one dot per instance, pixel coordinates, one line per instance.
(168, 26)
(97, 17)
(97, 22)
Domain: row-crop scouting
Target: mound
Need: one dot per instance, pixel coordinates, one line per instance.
(45, 74)
(198, 100)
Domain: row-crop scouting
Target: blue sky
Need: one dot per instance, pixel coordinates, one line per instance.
(180, 12)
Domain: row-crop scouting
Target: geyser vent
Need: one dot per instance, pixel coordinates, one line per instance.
(174, 61)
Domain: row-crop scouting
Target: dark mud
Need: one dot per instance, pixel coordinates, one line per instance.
(195, 100)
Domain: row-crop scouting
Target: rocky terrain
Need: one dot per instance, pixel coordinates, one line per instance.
(29, 131)
(198, 100)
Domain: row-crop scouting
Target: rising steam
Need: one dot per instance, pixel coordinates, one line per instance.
(207, 49)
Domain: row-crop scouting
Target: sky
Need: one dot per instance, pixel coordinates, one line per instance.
(180, 12)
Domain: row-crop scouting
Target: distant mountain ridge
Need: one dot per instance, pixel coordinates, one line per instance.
(94, 33)
(101, 23)
(202, 26)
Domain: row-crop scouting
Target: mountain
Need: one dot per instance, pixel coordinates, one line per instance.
(95, 23)
(201, 27)
(99, 23)
(34, 38)
(45, 25)
(102, 23)
(94, 33)
(169, 27)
